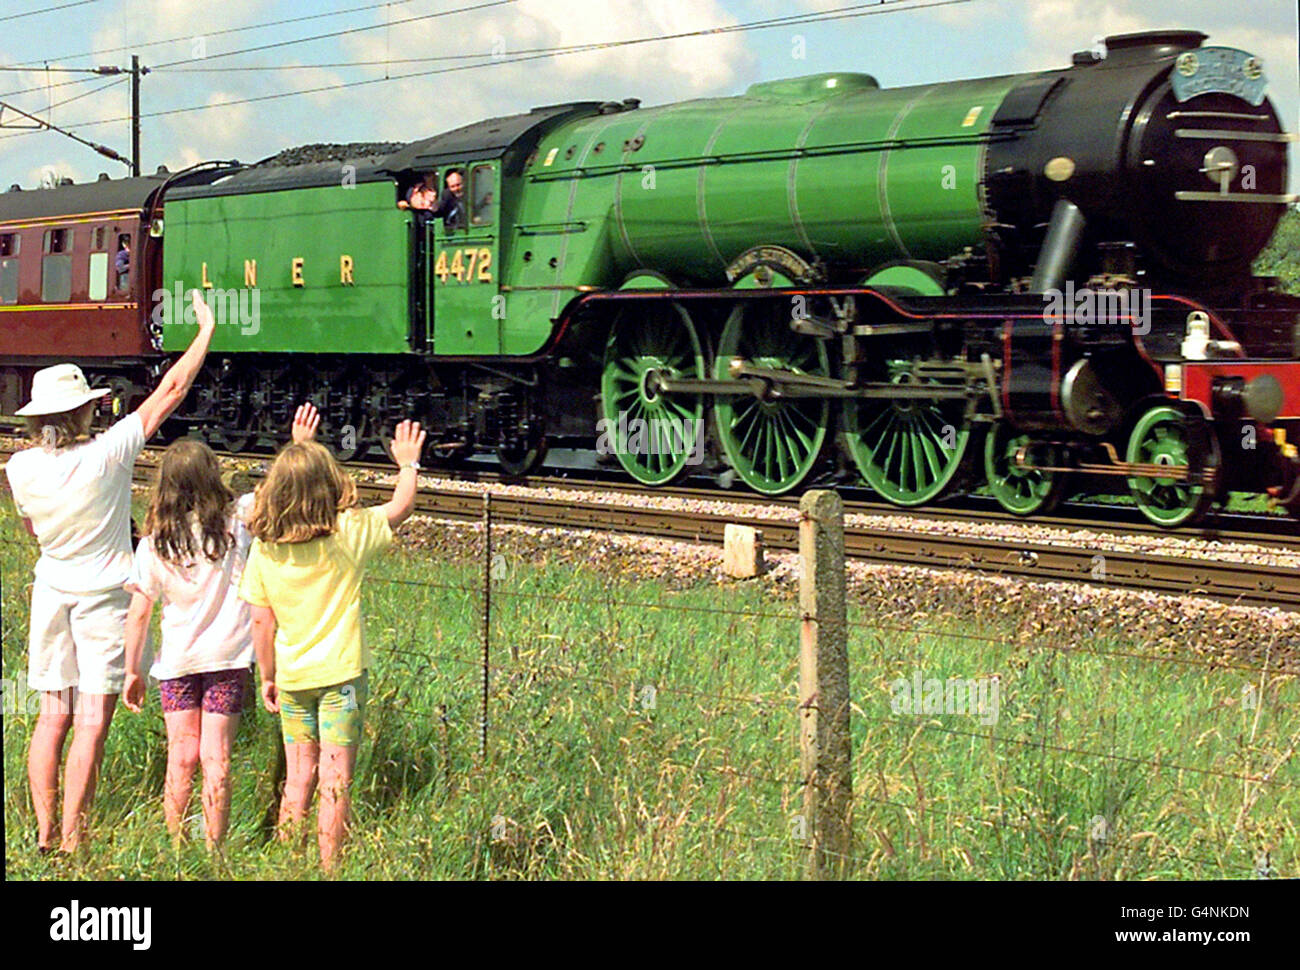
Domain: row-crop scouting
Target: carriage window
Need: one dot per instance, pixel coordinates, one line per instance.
(56, 266)
(56, 278)
(122, 262)
(97, 238)
(8, 281)
(97, 287)
(482, 186)
(10, 243)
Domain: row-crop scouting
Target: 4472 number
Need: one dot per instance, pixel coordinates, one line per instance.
(467, 265)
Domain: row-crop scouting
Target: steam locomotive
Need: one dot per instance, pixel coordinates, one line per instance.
(1026, 283)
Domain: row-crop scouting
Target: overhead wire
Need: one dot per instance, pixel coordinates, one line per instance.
(218, 33)
(843, 13)
(43, 64)
(43, 10)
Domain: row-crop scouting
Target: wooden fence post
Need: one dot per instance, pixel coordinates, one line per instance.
(487, 623)
(825, 759)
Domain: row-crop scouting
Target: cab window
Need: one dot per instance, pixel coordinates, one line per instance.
(482, 193)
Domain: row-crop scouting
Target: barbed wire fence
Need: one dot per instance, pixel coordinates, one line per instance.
(852, 795)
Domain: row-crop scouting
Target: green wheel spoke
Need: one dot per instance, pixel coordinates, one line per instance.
(781, 443)
(772, 445)
(899, 445)
(754, 427)
(931, 447)
(666, 342)
(1018, 490)
(1165, 436)
(804, 439)
(631, 392)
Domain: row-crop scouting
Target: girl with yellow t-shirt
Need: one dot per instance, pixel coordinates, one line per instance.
(303, 582)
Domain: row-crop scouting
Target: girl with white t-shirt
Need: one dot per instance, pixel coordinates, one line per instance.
(191, 559)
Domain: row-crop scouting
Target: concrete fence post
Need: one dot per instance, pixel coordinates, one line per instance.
(825, 759)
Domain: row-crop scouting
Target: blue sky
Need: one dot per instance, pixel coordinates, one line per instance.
(909, 44)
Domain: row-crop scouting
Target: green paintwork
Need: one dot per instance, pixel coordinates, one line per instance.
(317, 224)
(855, 176)
(1161, 437)
(811, 87)
(830, 166)
(466, 318)
(906, 278)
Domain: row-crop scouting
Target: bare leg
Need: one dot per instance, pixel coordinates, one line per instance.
(336, 766)
(94, 714)
(301, 761)
(44, 756)
(182, 761)
(217, 739)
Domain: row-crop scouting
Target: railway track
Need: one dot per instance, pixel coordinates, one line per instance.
(1269, 529)
(1275, 530)
(1243, 584)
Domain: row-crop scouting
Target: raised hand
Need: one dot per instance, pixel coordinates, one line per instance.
(408, 442)
(202, 312)
(305, 422)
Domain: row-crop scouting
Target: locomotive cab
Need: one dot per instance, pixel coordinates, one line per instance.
(463, 262)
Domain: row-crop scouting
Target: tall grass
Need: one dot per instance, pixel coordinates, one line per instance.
(638, 732)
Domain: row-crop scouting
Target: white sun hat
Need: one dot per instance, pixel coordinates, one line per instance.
(58, 389)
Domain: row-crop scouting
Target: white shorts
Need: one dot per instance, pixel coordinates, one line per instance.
(77, 640)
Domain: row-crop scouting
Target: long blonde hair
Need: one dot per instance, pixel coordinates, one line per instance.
(189, 485)
(302, 495)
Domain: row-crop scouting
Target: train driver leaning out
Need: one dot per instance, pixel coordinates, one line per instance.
(451, 205)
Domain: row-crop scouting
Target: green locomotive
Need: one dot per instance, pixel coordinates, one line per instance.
(820, 276)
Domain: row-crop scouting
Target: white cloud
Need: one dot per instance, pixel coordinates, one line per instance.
(203, 135)
(1043, 34)
(1056, 28)
(150, 20)
(654, 72)
(55, 168)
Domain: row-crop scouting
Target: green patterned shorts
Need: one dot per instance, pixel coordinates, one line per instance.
(332, 715)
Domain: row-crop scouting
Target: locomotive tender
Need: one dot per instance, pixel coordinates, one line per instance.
(1016, 281)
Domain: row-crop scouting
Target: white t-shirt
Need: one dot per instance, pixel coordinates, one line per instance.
(79, 501)
(205, 625)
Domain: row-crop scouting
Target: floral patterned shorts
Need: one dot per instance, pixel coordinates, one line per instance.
(217, 692)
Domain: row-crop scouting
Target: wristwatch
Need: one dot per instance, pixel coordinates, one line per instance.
(410, 464)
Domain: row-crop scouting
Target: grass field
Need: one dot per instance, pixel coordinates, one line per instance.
(590, 774)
